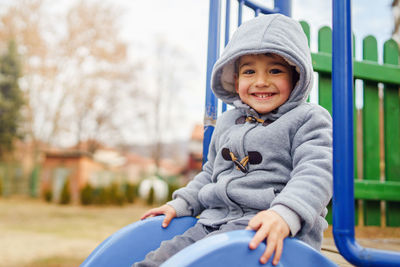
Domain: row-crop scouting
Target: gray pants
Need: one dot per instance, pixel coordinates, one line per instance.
(170, 247)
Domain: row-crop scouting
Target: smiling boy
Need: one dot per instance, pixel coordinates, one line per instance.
(269, 165)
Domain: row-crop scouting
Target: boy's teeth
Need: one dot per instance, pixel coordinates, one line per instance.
(264, 95)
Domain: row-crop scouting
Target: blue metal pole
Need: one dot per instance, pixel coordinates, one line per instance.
(258, 8)
(343, 168)
(227, 32)
(240, 12)
(211, 106)
(227, 21)
(284, 7)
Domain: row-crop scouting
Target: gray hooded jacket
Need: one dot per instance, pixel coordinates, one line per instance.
(289, 167)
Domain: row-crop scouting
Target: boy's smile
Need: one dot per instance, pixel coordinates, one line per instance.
(264, 81)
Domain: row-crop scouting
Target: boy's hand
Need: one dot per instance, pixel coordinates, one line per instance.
(269, 224)
(167, 210)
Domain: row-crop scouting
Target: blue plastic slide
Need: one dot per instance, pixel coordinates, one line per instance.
(133, 242)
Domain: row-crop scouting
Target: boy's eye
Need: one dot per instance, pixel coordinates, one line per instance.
(249, 71)
(275, 71)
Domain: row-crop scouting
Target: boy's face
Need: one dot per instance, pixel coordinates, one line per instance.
(264, 81)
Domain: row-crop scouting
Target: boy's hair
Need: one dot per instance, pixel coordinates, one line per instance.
(295, 74)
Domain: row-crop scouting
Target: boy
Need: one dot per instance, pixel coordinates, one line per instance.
(269, 165)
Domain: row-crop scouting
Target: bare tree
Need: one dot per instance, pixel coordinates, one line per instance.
(75, 71)
(99, 58)
(165, 111)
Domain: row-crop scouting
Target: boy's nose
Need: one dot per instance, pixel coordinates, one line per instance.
(262, 80)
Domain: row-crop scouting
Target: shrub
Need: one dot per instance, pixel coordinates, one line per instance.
(65, 194)
(115, 195)
(48, 195)
(87, 195)
(101, 196)
(130, 192)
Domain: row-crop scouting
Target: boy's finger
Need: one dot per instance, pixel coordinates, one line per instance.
(144, 216)
(147, 214)
(260, 236)
(253, 224)
(278, 252)
(268, 252)
(152, 213)
(166, 221)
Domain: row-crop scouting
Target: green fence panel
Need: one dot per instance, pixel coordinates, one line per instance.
(371, 133)
(357, 203)
(371, 190)
(306, 29)
(377, 190)
(322, 63)
(372, 71)
(392, 132)
(324, 79)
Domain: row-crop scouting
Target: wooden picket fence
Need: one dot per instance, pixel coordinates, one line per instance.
(376, 126)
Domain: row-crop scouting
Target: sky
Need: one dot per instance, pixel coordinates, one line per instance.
(184, 23)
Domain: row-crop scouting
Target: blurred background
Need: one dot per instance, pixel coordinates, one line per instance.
(102, 101)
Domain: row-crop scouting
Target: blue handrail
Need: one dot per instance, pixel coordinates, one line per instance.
(284, 7)
(343, 167)
(211, 105)
(227, 32)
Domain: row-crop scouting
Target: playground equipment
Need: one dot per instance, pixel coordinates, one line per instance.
(132, 243)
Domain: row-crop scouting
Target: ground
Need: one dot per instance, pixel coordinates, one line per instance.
(35, 233)
(38, 234)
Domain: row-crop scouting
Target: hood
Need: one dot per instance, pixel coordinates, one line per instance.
(276, 34)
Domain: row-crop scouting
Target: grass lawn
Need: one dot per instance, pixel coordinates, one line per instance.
(35, 233)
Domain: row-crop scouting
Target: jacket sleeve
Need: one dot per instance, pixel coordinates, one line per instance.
(185, 200)
(309, 189)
